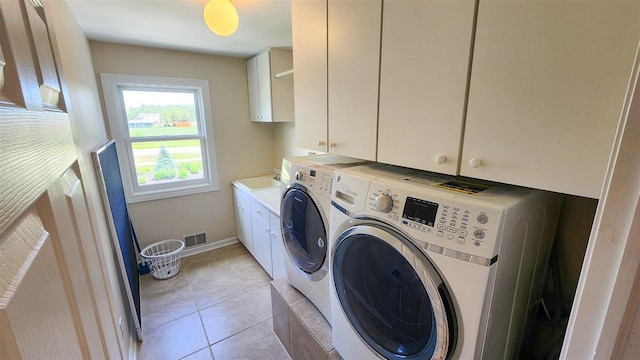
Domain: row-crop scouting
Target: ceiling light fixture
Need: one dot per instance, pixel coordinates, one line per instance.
(221, 17)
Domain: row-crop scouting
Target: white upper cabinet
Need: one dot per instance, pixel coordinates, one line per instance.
(533, 99)
(353, 61)
(423, 81)
(309, 32)
(270, 97)
(547, 86)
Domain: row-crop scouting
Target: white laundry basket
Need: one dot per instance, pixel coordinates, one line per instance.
(164, 258)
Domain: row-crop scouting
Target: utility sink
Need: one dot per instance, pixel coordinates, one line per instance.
(257, 183)
(270, 197)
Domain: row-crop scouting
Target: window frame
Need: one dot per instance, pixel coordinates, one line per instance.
(113, 85)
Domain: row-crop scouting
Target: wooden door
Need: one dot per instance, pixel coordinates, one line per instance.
(47, 303)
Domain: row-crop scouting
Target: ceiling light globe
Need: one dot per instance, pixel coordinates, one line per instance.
(221, 17)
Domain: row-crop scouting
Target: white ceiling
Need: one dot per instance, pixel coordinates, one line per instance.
(178, 25)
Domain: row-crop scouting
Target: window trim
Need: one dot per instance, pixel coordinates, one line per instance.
(112, 86)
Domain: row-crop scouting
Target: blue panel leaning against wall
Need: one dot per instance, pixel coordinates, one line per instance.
(106, 161)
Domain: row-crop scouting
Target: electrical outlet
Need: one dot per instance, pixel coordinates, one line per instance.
(121, 327)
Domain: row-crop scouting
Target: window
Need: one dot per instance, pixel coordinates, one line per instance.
(163, 132)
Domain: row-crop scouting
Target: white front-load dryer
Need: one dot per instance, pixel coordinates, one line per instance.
(304, 216)
(432, 267)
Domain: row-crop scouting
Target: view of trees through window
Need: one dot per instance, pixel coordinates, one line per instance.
(164, 134)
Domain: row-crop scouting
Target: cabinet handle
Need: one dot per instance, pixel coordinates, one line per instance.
(440, 159)
(321, 142)
(332, 144)
(267, 230)
(475, 163)
(259, 212)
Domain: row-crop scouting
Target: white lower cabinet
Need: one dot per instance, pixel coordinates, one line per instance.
(261, 235)
(277, 248)
(258, 228)
(242, 208)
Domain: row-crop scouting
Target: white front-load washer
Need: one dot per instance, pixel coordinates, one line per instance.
(304, 216)
(433, 267)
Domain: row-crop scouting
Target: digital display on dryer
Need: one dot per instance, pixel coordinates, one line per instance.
(420, 211)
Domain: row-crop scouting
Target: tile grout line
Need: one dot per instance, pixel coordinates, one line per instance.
(206, 336)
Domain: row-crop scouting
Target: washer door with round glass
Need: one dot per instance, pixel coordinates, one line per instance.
(392, 295)
(304, 232)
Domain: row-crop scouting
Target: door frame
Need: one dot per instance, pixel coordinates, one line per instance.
(605, 302)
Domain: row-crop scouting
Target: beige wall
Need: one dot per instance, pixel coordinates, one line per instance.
(89, 132)
(285, 137)
(243, 148)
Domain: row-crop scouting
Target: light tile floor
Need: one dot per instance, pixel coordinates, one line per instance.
(217, 307)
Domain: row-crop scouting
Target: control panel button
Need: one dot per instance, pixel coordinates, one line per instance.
(478, 234)
(463, 232)
(451, 229)
(483, 218)
(449, 237)
(299, 175)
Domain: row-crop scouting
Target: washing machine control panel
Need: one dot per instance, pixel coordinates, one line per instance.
(438, 218)
(318, 180)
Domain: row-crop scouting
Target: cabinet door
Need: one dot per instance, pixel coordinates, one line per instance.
(252, 87)
(263, 65)
(354, 62)
(546, 91)
(423, 81)
(277, 249)
(243, 218)
(309, 34)
(261, 235)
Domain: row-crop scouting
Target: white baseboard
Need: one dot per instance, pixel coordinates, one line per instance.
(207, 247)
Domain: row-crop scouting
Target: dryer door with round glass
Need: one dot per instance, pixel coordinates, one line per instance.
(304, 232)
(392, 295)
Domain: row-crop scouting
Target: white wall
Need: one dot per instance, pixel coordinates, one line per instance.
(89, 132)
(243, 148)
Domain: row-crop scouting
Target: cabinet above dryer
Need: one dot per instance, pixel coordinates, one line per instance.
(270, 97)
(526, 93)
(424, 68)
(546, 92)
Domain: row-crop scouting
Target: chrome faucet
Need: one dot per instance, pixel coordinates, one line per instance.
(276, 173)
